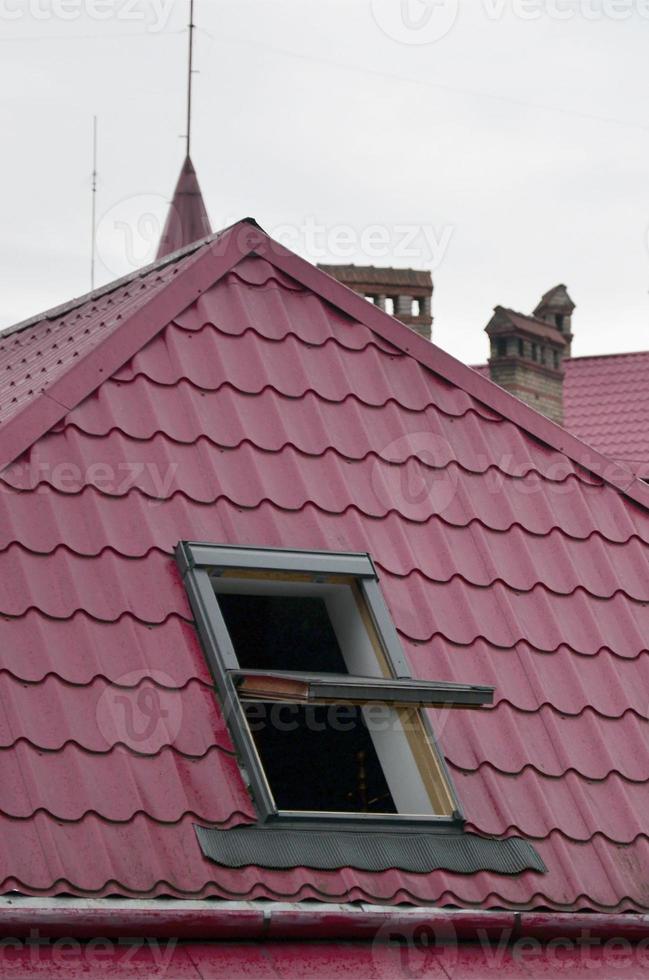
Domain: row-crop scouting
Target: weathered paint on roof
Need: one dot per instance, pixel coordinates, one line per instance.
(271, 406)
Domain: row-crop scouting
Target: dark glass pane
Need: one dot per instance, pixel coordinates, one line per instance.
(282, 633)
(319, 758)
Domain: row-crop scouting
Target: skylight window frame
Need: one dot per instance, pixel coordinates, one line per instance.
(199, 562)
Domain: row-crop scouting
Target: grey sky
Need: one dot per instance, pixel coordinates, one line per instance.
(511, 153)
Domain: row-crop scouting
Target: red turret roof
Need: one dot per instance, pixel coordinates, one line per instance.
(187, 221)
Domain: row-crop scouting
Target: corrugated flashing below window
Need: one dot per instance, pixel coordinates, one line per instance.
(323, 850)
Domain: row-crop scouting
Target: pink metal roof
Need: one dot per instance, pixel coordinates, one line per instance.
(606, 403)
(253, 400)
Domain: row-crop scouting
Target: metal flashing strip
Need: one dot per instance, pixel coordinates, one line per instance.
(420, 853)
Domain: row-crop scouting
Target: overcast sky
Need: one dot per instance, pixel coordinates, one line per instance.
(504, 144)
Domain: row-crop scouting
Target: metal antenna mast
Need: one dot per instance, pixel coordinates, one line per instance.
(94, 202)
(189, 74)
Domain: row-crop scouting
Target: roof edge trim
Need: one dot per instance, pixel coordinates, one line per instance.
(215, 919)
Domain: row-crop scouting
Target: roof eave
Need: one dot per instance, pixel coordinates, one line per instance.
(210, 920)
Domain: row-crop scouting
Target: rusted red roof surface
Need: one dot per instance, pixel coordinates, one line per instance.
(187, 220)
(252, 399)
(606, 403)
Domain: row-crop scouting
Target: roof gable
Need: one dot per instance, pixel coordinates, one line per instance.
(277, 408)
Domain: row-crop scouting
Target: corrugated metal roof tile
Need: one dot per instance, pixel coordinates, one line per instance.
(31, 360)
(80, 648)
(606, 403)
(137, 710)
(249, 362)
(550, 742)
(119, 784)
(137, 524)
(69, 460)
(311, 424)
(529, 803)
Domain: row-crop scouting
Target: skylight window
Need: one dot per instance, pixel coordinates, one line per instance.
(327, 721)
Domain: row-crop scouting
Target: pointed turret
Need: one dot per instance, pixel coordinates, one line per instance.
(187, 221)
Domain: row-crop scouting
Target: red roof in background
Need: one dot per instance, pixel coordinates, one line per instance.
(187, 220)
(251, 399)
(606, 403)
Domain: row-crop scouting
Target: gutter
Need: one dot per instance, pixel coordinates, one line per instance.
(208, 921)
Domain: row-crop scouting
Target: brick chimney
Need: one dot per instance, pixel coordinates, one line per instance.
(407, 294)
(527, 352)
(557, 308)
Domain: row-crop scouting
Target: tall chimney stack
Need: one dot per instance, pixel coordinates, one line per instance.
(527, 352)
